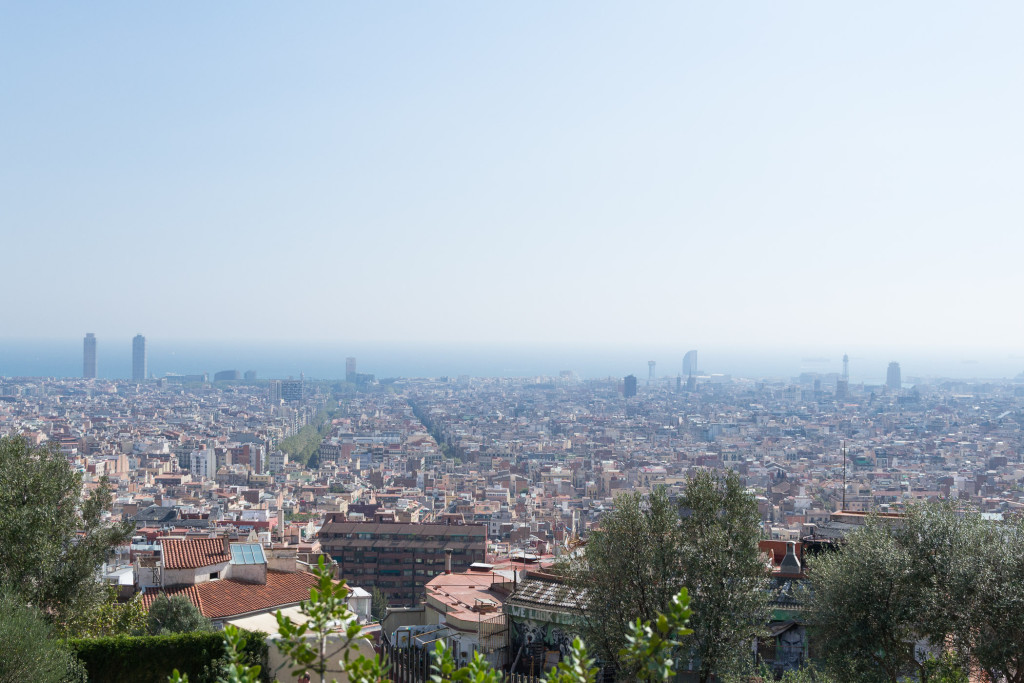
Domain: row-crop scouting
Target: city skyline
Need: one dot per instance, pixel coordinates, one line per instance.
(816, 175)
(229, 361)
(473, 308)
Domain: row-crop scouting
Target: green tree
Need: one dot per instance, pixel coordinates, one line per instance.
(939, 575)
(303, 444)
(866, 606)
(652, 646)
(968, 572)
(952, 569)
(110, 618)
(52, 541)
(636, 551)
(806, 674)
(175, 614)
(379, 606)
(30, 652)
(724, 571)
(997, 608)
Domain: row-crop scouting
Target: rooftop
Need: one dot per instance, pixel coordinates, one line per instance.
(192, 553)
(228, 597)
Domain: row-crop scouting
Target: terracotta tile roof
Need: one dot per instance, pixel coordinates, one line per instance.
(191, 553)
(189, 592)
(228, 597)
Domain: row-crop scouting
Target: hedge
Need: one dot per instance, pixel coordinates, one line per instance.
(151, 659)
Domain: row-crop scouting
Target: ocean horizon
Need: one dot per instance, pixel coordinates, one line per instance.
(63, 358)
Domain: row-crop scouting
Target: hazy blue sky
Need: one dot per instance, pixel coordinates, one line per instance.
(538, 172)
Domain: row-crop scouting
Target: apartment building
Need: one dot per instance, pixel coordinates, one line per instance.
(400, 558)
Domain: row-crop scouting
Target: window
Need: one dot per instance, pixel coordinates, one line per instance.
(214, 576)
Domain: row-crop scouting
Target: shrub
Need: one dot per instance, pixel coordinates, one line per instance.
(30, 652)
(175, 615)
(151, 659)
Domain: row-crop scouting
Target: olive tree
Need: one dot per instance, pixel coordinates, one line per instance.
(52, 539)
(631, 570)
(724, 571)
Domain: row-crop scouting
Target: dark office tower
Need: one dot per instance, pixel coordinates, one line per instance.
(138, 358)
(350, 370)
(629, 386)
(842, 389)
(892, 377)
(292, 390)
(690, 363)
(89, 356)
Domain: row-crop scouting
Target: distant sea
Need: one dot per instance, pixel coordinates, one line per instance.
(63, 358)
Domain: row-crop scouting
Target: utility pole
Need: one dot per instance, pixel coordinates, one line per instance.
(844, 476)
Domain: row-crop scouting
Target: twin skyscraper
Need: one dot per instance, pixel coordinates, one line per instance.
(138, 357)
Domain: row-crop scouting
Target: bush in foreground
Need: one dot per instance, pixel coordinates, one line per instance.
(151, 659)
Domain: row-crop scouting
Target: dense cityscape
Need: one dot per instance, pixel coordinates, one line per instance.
(449, 501)
(550, 342)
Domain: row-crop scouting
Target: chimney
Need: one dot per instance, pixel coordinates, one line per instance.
(790, 564)
(447, 560)
(227, 544)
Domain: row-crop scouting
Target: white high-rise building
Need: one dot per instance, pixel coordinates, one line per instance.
(203, 464)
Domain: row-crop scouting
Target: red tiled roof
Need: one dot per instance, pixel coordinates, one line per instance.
(191, 553)
(189, 592)
(228, 597)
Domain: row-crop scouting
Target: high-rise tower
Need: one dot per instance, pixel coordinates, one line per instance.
(690, 363)
(138, 358)
(629, 386)
(89, 356)
(892, 377)
(846, 367)
(350, 370)
(650, 372)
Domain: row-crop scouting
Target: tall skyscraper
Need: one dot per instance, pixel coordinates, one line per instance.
(138, 358)
(89, 356)
(650, 372)
(350, 370)
(892, 377)
(690, 363)
(629, 386)
(846, 367)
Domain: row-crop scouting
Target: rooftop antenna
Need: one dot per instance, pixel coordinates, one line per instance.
(844, 475)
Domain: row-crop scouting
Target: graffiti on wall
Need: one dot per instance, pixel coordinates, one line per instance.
(534, 633)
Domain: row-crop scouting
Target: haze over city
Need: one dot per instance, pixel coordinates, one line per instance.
(578, 341)
(750, 176)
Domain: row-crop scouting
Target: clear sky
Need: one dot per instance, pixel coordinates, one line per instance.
(523, 172)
